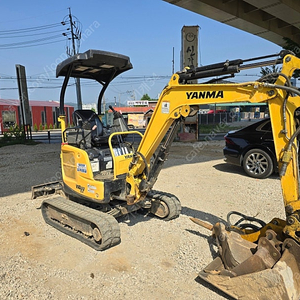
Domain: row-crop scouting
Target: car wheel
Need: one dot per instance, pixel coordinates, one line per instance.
(258, 164)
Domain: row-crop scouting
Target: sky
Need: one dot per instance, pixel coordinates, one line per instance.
(146, 31)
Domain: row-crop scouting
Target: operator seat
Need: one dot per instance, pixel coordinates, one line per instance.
(89, 121)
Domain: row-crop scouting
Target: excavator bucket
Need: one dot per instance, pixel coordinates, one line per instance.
(269, 269)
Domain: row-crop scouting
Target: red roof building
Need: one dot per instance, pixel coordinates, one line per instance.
(42, 113)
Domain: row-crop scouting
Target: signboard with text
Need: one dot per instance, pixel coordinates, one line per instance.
(189, 46)
(137, 120)
(140, 103)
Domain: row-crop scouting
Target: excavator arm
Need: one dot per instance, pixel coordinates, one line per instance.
(246, 254)
(178, 101)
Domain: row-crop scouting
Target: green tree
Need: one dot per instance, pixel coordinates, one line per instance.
(268, 71)
(145, 97)
(291, 46)
(295, 48)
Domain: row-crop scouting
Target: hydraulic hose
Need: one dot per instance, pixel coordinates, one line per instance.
(288, 150)
(288, 82)
(286, 156)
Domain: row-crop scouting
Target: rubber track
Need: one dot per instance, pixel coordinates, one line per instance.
(107, 224)
(171, 200)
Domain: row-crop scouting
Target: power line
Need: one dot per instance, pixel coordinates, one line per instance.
(29, 42)
(32, 34)
(33, 17)
(47, 33)
(35, 76)
(30, 29)
(37, 87)
(87, 84)
(32, 45)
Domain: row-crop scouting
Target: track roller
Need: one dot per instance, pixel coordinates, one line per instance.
(94, 228)
(164, 205)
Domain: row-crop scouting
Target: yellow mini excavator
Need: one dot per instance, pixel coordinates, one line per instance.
(110, 172)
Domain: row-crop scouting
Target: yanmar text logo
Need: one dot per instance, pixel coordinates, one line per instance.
(204, 95)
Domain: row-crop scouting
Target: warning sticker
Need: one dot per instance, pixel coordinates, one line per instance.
(165, 107)
(91, 188)
(81, 168)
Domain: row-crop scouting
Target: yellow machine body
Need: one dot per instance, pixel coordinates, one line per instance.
(78, 174)
(252, 264)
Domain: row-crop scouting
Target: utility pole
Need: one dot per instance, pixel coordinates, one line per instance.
(104, 105)
(75, 35)
(173, 62)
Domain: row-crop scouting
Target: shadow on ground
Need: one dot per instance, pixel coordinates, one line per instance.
(212, 288)
(233, 169)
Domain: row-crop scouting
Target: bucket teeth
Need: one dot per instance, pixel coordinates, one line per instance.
(245, 270)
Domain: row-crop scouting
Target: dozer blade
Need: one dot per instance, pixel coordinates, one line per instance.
(46, 189)
(244, 270)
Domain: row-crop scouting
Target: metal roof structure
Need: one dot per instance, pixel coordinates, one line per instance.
(272, 20)
(14, 102)
(133, 110)
(99, 65)
(241, 104)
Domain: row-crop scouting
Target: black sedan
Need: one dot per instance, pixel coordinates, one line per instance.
(252, 148)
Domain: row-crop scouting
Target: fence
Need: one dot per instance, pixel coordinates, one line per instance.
(228, 117)
(217, 118)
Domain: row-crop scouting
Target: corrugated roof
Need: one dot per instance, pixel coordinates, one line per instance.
(9, 102)
(31, 103)
(135, 109)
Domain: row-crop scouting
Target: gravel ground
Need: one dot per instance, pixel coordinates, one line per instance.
(155, 260)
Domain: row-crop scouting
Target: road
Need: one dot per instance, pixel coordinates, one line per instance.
(54, 136)
(51, 136)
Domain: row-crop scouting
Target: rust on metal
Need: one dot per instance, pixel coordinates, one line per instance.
(202, 223)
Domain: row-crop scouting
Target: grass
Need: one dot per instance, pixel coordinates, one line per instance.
(14, 136)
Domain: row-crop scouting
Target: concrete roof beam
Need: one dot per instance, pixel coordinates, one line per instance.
(270, 19)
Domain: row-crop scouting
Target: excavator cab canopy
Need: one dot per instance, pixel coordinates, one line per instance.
(98, 65)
